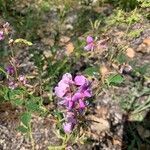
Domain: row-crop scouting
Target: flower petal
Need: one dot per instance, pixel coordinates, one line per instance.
(77, 96)
(60, 92)
(67, 78)
(81, 104)
(1, 35)
(87, 93)
(89, 39)
(70, 104)
(67, 127)
(80, 80)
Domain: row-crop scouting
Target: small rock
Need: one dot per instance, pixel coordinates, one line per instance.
(147, 41)
(69, 48)
(69, 27)
(143, 48)
(130, 52)
(64, 39)
(47, 54)
(48, 41)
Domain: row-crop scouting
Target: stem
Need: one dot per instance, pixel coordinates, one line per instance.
(14, 64)
(31, 137)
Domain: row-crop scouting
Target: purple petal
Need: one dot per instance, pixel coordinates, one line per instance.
(12, 85)
(80, 80)
(22, 79)
(88, 93)
(67, 78)
(70, 117)
(77, 96)
(81, 104)
(67, 127)
(61, 89)
(1, 35)
(70, 104)
(89, 47)
(10, 70)
(89, 39)
(62, 84)
(84, 87)
(60, 92)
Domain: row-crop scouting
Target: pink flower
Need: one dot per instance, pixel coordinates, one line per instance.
(85, 90)
(12, 85)
(81, 104)
(90, 44)
(22, 79)
(67, 127)
(67, 78)
(80, 80)
(77, 96)
(61, 89)
(89, 39)
(72, 94)
(70, 117)
(1, 35)
(10, 70)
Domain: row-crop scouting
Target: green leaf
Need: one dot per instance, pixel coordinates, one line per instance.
(17, 102)
(14, 94)
(32, 106)
(26, 118)
(22, 129)
(6, 94)
(91, 71)
(58, 115)
(121, 58)
(115, 79)
(143, 69)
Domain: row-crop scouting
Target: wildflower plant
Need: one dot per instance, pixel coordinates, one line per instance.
(72, 95)
(14, 88)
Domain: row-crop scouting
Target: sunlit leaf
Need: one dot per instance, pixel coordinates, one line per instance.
(23, 41)
(115, 79)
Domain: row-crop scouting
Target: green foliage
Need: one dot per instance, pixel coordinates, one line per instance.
(144, 3)
(89, 21)
(26, 118)
(121, 58)
(22, 129)
(114, 79)
(131, 102)
(92, 71)
(125, 4)
(119, 16)
(135, 33)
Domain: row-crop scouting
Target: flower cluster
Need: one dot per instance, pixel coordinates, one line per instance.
(12, 82)
(4, 31)
(93, 44)
(72, 94)
(90, 44)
